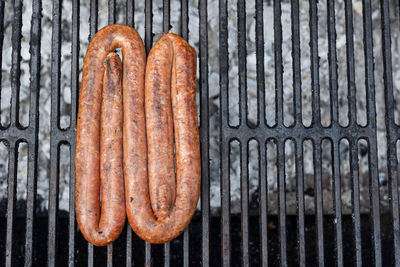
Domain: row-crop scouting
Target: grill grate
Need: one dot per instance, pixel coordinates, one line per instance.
(267, 252)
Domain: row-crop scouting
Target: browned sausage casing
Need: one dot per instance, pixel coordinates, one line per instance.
(159, 203)
(99, 146)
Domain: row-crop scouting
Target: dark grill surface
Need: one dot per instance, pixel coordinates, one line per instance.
(251, 237)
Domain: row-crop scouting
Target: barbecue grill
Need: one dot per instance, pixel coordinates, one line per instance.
(255, 235)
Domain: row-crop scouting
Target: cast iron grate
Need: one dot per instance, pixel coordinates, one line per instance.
(204, 243)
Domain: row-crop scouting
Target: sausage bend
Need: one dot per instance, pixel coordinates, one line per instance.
(161, 205)
(99, 130)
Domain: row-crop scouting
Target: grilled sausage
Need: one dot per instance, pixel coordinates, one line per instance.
(99, 130)
(161, 205)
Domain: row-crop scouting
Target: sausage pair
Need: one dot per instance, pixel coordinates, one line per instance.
(132, 119)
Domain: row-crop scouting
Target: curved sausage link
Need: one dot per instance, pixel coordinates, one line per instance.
(162, 212)
(100, 118)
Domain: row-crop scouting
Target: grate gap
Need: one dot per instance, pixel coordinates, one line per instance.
(327, 176)
(158, 21)
(299, 169)
(395, 48)
(345, 179)
(22, 175)
(102, 13)
(234, 97)
(290, 192)
(4, 163)
(64, 174)
(5, 92)
(341, 50)
(235, 173)
(174, 24)
(176, 248)
(309, 187)
(139, 17)
(24, 97)
(361, 100)
(269, 64)
(2, 4)
(325, 95)
(253, 169)
(363, 166)
(65, 101)
(4, 158)
(288, 94)
(272, 185)
(251, 67)
(272, 205)
(20, 209)
(290, 177)
(306, 93)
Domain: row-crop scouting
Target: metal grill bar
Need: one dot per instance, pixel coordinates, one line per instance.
(355, 195)
(90, 255)
(111, 11)
(12, 188)
(186, 247)
(167, 254)
(93, 19)
(148, 254)
(300, 205)
(261, 121)
(148, 39)
(93, 22)
(318, 200)
(109, 255)
(34, 125)
(224, 142)
(185, 35)
(128, 246)
(279, 120)
(337, 202)
(372, 155)
(263, 204)
(316, 122)
(295, 19)
(184, 19)
(55, 131)
(166, 15)
(73, 116)
(333, 86)
(130, 13)
(244, 189)
(392, 129)
(281, 201)
(204, 133)
(241, 20)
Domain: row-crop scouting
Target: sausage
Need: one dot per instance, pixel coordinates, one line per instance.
(99, 146)
(160, 129)
(107, 228)
(161, 204)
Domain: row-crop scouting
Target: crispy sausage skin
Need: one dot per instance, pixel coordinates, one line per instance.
(103, 107)
(161, 205)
